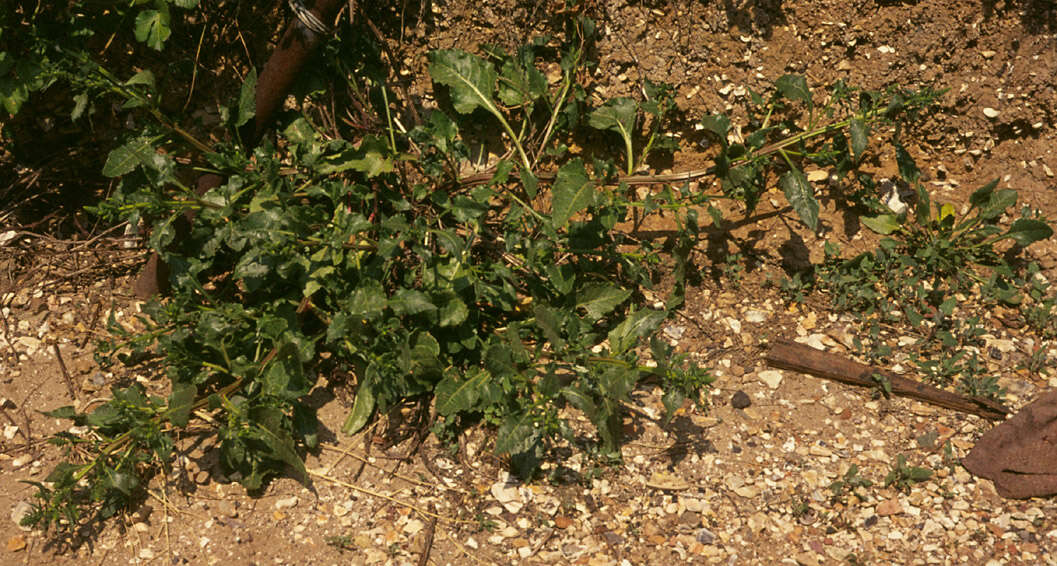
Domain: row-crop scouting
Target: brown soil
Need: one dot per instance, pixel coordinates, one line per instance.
(754, 479)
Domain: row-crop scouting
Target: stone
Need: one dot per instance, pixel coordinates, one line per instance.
(770, 377)
(889, 507)
(740, 400)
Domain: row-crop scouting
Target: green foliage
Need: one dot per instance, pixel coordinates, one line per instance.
(904, 476)
(849, 482)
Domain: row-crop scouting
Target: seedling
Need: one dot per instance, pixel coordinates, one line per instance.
(903, 477)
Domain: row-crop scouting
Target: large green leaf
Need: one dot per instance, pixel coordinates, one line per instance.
(280, 443)
(801, 195)
(372, 158)
(456, 395)
(517, 434)
(882, 223)
(573, 192)
(470, 78)
(599, 299)
(1026, 231)
(718, 124)
(362, 409)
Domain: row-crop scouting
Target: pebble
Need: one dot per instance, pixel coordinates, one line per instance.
(740, 400)
(20, 510)
(991, 113)
(705, 536)
(286, 503)
(770, 377)
(889, 507)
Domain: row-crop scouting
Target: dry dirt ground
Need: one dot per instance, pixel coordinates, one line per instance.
(730, 486)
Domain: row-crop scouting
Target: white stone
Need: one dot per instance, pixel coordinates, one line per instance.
(991, 112)
(771, 377)
(286, 502)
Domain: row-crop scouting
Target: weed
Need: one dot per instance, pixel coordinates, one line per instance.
(903, 476)
(849, 482)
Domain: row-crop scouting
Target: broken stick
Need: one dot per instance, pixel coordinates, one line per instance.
(786, 354)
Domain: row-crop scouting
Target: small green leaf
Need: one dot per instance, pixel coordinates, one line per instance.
(269, 428)
(997, 203)
(794, 87)
(80, 102)
(180, 402)
(908, 170)
(618, 115)
(573, 192)
(247, 99)
(860, 134)
(718, 124)
(144, 77)
(410, 301)
(801, 195)
(362, 409)
(548, 322)
(152, 27)
(637, 325)
(882, 224)
(126, 158)
(372, 158)
(453, 313)
(982, 196)
(599, 299)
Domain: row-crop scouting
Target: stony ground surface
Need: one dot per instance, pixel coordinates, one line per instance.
(745, 485)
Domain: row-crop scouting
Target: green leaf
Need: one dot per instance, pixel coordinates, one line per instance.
(269, 427)
(453, 313)
(362, 409)
(672, 400)
(599, 299)
(180, 402)
(470, 78)
(548, 322)
(372, 158)
(573, 192)
(517, 434)
(285, 378)
(80, 102)
(460, 395)
(617, 115)
(247, 99)
(801, 195)
(637, 325)
(1027, 231)
(860, 134)
(794, 87)
(718, 124)
(908, 170)
(997, 203)
(410, 301)
(144, 77)
(882, 224)
(520, 84)
(152, 28)
(126, 158)
(982, 196)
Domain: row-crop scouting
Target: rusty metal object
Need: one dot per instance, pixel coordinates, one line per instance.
(278, 75)
(1020, 455)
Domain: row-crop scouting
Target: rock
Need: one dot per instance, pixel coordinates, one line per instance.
(740, 400)
(19, 511)
(286, 503)
(889, 507)
(771, 377)
(562, 522)
(16, 543)
(690, 519)
(506, 492)
(991, 113)
(705, 536)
